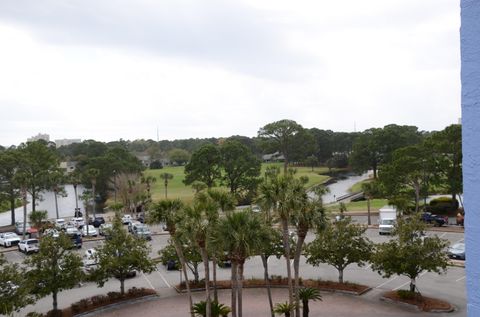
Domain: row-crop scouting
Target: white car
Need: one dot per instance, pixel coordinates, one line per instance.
(72, 231)
(8, 239)
(132, 225)
(59, 223)
(52, 232)
(92, 231)
(126, 219)
(103, 228)
(89, 260)
(78, 221)
(28, 246)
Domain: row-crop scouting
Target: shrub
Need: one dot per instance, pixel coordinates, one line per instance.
(114, 295)
(405, 294)
(98, 300)
(155, 165)
(217, 309)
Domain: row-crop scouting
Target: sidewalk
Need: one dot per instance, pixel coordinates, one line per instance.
(256, 305)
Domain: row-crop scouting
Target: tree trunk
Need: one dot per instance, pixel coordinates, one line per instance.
(306, 309)
(214, 273)
(286, 243)
(412, 285)
(179, 251)
(12, 206)
(368, 209)
(340, 275)
(207, 281)
(166, 185)
(56, 203)
(417, 196)
(296, 268)
(55, 302)
(34, 201)
(239, 288)
(76, 196)
(94, 202)
(234, 288)
(24, 214)
(267, 283)
(122, 285)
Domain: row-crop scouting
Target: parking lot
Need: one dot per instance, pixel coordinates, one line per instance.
(449, 286)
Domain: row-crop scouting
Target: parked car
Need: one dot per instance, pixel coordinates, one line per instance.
(141, 218)
(457, 251)
(97, 221)
(8, 239)
(60, 223)
(28, 246)
(126, 219)
(76, 240)
(71, 231)
(141, 231)
(52, 232)
(89, 230)
(89, 258)
(78, 222)
(132, 225)
(30, 231)
(436, 220)
(102, 230)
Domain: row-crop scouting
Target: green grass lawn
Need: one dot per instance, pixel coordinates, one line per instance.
(375, 205)
(177, 189)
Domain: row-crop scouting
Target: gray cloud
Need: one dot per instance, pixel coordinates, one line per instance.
(215, 32)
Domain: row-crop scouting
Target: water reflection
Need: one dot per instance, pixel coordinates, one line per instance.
(66, 205)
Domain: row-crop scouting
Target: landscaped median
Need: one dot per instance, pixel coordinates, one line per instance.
(282, 282)
(97, 302)
(419, 301)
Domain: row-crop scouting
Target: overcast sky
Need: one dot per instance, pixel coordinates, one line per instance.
(114, 69)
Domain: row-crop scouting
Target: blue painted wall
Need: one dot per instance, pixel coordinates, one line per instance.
(470, 48)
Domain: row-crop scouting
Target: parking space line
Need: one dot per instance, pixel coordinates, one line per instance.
(443, 235)
(384, 283)
(404, 284)
(148, 281)
(459, 279)
(163, 278)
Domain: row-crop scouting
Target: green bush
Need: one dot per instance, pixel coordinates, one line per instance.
(443, 205)
(404, 294)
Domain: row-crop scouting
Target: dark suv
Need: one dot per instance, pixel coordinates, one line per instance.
(436, 220)
(97, 221)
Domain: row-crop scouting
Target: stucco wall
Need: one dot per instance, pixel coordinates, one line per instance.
(470, 48)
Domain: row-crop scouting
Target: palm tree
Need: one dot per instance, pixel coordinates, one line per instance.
(307, 294)
(284, 308)
(278, 193)
(243, 235)
(198, 226)
(307, 213)
(75, 180)
(148, 181)
(171, 213)
(225, 201)
(166, 177)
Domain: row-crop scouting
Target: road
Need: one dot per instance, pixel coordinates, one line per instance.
(449, 286)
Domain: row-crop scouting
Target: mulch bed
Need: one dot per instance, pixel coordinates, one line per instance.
(423, 303)
(330, 286)
(96, 302)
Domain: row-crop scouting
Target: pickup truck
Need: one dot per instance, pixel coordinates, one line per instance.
(8, 239)
(28, 246)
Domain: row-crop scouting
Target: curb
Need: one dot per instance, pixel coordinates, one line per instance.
(118, 304)
(180, 291)
(385, 299)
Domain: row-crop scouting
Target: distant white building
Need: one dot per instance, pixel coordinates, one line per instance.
(40, 136)
(274, 157)
(63, 142)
